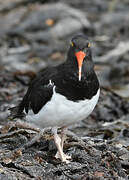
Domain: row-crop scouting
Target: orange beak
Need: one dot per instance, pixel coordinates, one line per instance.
(80, 57)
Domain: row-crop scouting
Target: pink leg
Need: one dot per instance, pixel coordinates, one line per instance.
(59, 144)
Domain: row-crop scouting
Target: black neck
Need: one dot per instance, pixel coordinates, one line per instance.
(87, 67)
(69, 85)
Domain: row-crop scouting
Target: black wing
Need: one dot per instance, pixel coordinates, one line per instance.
(39, 92)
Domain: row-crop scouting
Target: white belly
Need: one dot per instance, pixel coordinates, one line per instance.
(62, 112)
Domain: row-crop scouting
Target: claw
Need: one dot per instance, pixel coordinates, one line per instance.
(65, 157)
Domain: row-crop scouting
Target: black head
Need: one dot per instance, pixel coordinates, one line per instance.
(80, 51)
(80, 42)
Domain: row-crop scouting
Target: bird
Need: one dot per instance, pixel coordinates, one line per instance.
(63, 95)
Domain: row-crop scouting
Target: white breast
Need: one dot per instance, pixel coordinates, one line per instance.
(62, 112)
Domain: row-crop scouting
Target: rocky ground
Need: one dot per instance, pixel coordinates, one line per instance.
(36, 34)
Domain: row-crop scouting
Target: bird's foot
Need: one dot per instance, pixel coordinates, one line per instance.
(65, 157)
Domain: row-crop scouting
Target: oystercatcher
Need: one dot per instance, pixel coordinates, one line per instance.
(63, 95)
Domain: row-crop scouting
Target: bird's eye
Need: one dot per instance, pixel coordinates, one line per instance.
(88, 45)
(72, 44)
